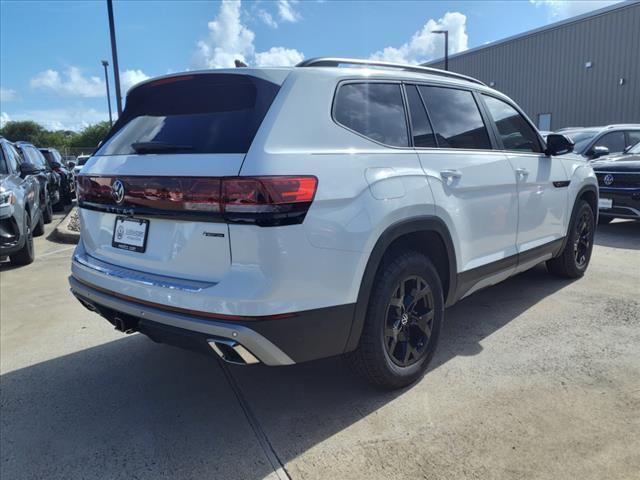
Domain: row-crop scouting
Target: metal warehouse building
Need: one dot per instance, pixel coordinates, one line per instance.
(584, 71)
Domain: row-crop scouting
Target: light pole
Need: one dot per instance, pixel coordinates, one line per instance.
(446, 46)
(105, 64)
(114, 53)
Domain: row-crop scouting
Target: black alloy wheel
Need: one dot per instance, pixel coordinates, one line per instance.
(409, 321)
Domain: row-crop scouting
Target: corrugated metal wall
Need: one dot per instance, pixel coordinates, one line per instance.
(545, 72)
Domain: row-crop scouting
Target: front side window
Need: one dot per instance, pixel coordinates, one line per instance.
(516, 134)
(420, 126)
(374, 110)
(456, 118)
(4, 170)
(614, 141)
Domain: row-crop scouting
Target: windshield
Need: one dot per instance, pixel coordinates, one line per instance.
(214, 113)
(581, 138)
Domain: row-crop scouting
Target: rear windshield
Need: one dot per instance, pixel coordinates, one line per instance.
(203, 113)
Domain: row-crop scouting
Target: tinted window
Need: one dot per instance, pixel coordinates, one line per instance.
(420, 126)
(614, 141)
(581, 138)
(3, 165)
(11, 157)
(216, 113)
(633, 137)
(35, 157)
(375, 110)
(515, 132)
(455, 118)
(48, 156)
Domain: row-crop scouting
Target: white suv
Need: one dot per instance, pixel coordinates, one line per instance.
(337, 207)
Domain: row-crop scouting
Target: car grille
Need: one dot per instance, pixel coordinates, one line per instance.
(620, 180)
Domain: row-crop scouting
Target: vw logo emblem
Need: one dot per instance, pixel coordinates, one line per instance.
(608, 179)
(117, 191)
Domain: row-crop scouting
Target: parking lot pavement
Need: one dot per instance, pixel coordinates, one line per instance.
(534, 378)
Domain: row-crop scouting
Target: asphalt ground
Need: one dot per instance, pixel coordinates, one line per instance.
(534, 378)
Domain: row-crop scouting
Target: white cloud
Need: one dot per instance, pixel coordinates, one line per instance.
(229, 40)
(287, 12)
(4, 118)
(74, 118)
(8, 95)
(69, 83)
(72, 83)
(129, 78)
(561, 9)
(425, 45)
(278, 57)
(267, 19)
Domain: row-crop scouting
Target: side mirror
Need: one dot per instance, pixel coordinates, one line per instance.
(27, 168)
(597, 152)
(558, 144)
(56, 165)
(70, 165)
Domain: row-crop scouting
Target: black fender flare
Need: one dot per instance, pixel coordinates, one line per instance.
(425, 223)
(587, 188)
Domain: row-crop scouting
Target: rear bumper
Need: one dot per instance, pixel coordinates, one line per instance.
(298, 337)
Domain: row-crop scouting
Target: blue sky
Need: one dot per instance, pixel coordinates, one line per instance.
(50, 51)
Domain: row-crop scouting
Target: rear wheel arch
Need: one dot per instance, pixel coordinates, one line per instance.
(428, 235)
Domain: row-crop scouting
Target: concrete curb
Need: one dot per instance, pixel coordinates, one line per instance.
(62, 233)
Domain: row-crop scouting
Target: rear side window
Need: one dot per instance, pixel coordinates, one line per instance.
(633, 137)
(375, 110)
(455, 117)
(420, 126)
(204, 113)
(515, 132)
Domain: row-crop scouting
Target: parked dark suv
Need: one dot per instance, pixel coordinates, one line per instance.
(619, 180)
(20, 213)
(49, 180)
(67, 185)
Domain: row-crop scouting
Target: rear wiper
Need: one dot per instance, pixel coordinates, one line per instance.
(158, 147)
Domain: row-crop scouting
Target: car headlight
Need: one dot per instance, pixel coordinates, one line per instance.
(7, 198)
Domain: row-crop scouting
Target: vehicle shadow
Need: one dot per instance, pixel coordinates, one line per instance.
(131, 408)
(619, 234)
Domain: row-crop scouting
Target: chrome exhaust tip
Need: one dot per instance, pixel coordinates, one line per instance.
(232, 352)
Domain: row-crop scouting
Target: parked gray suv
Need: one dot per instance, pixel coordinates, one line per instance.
(20, 213)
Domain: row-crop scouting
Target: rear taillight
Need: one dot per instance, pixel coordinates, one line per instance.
(265, 201)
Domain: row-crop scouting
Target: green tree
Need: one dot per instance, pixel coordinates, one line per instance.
(91, 136)
(27, 131)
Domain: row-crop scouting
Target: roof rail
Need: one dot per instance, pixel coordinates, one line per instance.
(336, 62)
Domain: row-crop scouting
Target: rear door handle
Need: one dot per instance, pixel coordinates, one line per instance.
(450, 175)
(522, 172)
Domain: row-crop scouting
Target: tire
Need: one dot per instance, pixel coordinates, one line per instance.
(25, 255)
(604, 220)
(574, 259)
(38, 230)
(397, 341)
(47, 213)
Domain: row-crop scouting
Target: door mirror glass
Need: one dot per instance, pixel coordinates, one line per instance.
(558, 144)
(597, 152)
(28, 168)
